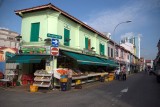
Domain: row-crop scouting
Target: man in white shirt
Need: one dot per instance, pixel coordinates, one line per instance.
(117, 73)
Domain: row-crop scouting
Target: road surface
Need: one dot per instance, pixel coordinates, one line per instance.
(139, 90)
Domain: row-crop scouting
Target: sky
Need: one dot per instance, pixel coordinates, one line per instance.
(102, 15)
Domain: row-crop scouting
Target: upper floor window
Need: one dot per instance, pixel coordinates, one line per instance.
(10, 38)
(66, 37)
(87, 43)
(121, 54)
(101, 49)
(34, 36)
(112, 52)
(128, 57)
(116, 52)
(109, 51)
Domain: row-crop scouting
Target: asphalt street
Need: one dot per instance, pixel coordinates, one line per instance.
(139, 90)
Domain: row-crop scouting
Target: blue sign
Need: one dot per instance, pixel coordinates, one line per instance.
(55, 42)
(2, 67)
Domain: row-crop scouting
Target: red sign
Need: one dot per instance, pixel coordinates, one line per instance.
(54, 51)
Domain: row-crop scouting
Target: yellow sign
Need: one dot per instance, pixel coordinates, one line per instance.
(48, 68)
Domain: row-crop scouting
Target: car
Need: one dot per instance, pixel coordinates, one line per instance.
(151, 71)
(157, 73)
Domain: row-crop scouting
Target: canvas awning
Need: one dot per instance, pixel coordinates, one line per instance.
(90, 60)
(27, 58)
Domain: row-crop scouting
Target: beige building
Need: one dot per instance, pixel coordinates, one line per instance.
(7, 39)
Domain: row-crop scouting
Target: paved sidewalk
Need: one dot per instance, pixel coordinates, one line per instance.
(26, 88)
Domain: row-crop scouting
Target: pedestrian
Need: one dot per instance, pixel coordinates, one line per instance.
(124, 73)
(69, 83)
(117, 72)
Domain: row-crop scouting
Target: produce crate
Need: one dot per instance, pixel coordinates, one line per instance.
(110, 79)
(33, 88)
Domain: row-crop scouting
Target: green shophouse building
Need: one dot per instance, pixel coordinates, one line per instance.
(76, 39)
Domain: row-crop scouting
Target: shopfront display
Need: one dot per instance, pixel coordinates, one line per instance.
(77, 75)
(46, 70)
(33, 59)
(42, 78)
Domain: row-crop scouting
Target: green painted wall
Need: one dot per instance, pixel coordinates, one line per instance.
(84, 33)
(64, 22)
(34, 17)
(54, 23)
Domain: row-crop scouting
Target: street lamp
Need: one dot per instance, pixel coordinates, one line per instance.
(115, 30)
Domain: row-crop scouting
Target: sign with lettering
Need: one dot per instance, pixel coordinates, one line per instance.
(54, 36)
(43, 50)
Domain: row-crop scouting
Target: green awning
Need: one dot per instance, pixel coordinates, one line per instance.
(27, 58)
(110, 62)
(90, 60)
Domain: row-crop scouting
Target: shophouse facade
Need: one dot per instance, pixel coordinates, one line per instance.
(8, 47)
(149, 64)
(49, 20)
(7, 39)
(135, 41)
(124, 56)
(78, 43)
(131, 58)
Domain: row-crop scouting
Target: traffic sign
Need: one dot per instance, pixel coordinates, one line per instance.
(55, 42)
(54, 36)
(54, 51)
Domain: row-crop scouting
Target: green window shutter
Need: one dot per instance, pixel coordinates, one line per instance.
(103, 49)
(109, 51)
(66, 37)
(86, 43)
(100, 48)
(34, 32)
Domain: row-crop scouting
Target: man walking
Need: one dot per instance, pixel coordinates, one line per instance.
(117, 73)
(124, 73)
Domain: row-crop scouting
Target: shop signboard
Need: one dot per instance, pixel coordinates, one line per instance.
(54, 36)
(54, 51)
(48, 65)
(42, 50)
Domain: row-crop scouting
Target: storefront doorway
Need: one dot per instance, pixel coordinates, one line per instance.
(39, 66)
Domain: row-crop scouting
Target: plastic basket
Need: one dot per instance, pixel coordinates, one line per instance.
(33, 88)
(110, 79)
(78, 82)
(63, 80)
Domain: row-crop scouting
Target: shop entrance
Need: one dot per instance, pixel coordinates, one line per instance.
(39, 66)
